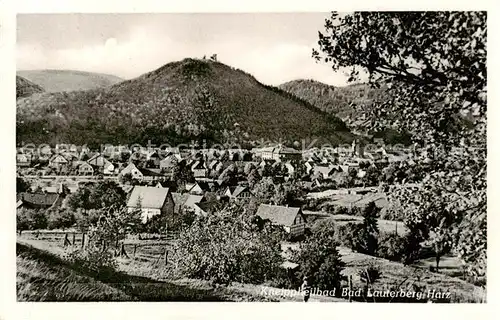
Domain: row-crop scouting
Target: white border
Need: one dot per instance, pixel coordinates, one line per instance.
(9, 309)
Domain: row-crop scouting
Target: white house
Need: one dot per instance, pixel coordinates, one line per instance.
(291, 219)
(151, 201)
(133, 171)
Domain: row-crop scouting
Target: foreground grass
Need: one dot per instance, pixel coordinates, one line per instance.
(45, 276)
(141, 279)
(42, 277)
(397, 275)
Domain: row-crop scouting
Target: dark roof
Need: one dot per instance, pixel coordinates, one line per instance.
(205, 186)
(38, 199)
(150, 172)
(238, 190)
(279, 215)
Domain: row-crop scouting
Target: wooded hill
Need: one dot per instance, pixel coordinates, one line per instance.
(352, 103)
(26, 88)
(68, 80)
(179, 102)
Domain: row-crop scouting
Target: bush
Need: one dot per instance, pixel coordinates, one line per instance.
(94, 261)
(392, 247)
(226, 247)
(60, 219)
(30, 219)
(320, 261)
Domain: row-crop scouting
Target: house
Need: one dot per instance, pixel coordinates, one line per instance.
(134, 172)
(39, 200)
(58, 161)
(188, 201)
(291, 219)
(200, 187)
(150, 174)
(200, 173)
(280, 153)
(324, 171)
(101, 164)
(169, 162)
(290, 168)
(206, 207)
(23, 160)
(237, 192)
(197, 165)
(85, 169)
(151, 201)
(172, 185)
(170, 150)
(153, 160)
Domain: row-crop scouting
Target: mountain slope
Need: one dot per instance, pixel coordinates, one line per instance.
(26, 88)
(348, 102)
(179, 102)
(68, 80)
(351, 103)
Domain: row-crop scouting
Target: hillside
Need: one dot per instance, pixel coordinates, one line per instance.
(179, 102)
(68, 80)
(26, 88)
(345, 102)
(351, 103)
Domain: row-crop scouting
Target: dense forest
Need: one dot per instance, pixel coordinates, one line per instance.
(177, 103)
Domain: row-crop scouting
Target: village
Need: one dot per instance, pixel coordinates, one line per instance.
(356, 167)
(211, 174)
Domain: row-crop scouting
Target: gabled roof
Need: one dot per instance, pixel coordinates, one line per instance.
(39, 199)
(186, 199)
(280, 215)
(150, 197)
(58, 159)
(150, 172)
(192, 200)
(238, 190)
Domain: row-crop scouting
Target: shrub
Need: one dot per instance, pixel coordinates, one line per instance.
(30, 219)
(320, 261)
(392, 247)
(60, 219)
(366, 240)
(99, 263)
(226, 247)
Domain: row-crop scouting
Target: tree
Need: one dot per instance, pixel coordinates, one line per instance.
(369, 276)
(320, 261)
(391, 247)
(22, 185)
(181, 173)
(103, 194)
(60, 219)
(229, 175)
(367, 240)
(30, 219)
(225, 247)
(433, 67)
(253, 177)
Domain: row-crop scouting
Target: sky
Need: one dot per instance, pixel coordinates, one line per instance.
(274, 47)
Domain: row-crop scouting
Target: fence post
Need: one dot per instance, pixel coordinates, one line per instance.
(135, 249)
(123, 252)
(166, 256)
(74, 238)
(83, 240)
(66, 240)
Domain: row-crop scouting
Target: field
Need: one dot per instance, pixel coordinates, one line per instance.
(143, 277)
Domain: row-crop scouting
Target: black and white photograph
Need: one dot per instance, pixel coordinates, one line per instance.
(307, 157)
